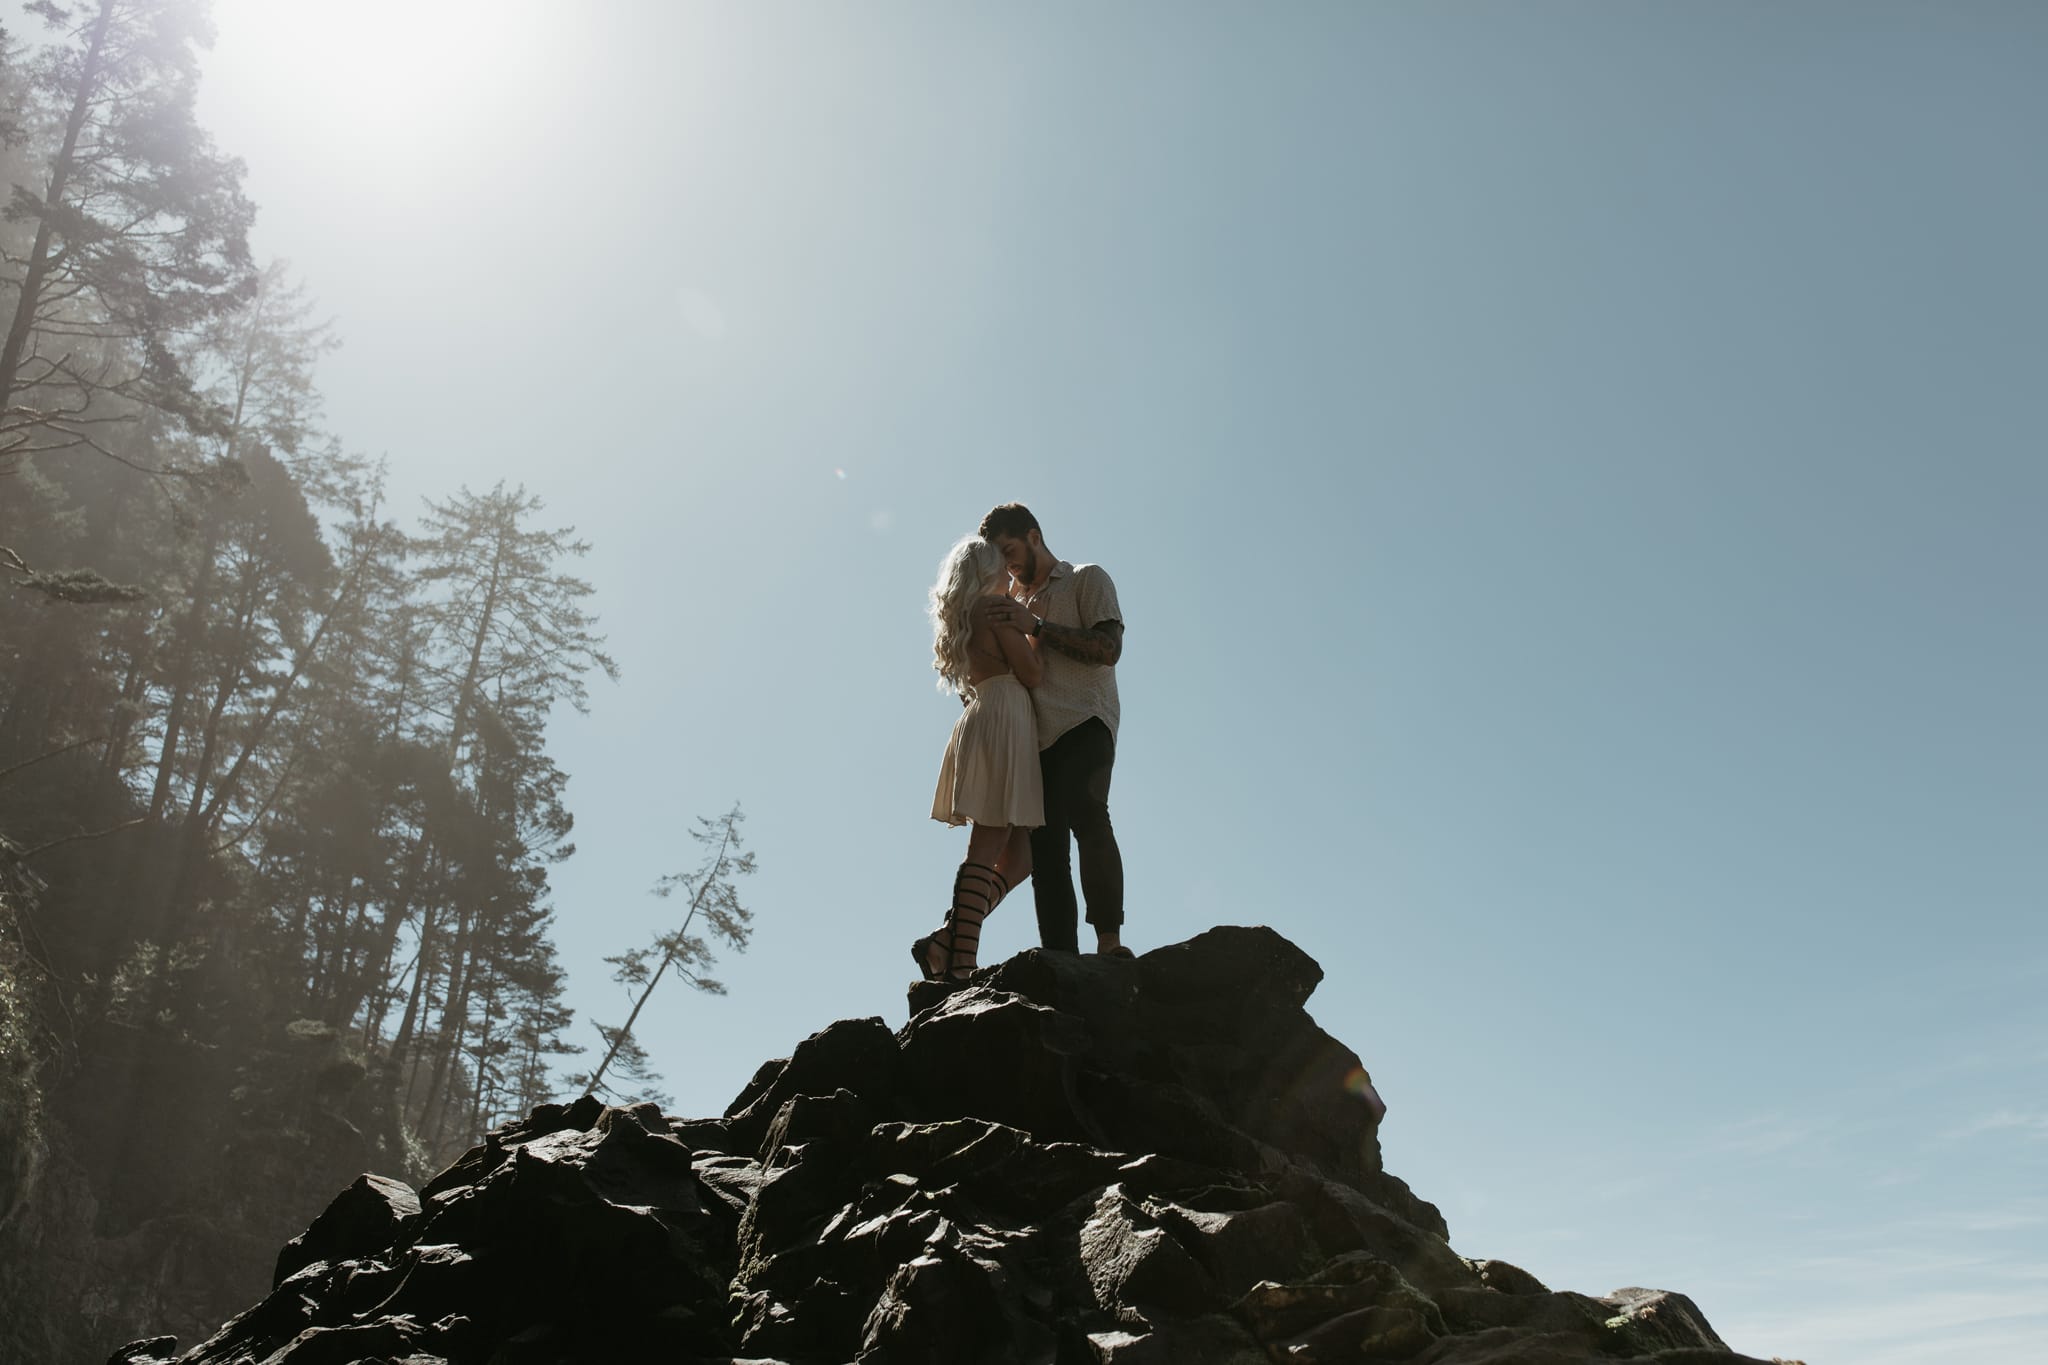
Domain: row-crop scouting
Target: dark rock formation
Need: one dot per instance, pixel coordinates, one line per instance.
(1074, 1160)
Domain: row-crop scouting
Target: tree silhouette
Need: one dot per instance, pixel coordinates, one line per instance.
(141, 228)
(715, 897)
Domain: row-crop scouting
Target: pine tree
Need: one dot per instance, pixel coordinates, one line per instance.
(140, 227)
(503, 637)
(714, 896)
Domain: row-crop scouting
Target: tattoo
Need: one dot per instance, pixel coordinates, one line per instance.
(1101, 643)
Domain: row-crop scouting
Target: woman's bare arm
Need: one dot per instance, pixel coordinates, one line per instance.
(1019, 654)
(1016, 649)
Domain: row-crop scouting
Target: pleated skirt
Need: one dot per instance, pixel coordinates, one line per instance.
(990, 772)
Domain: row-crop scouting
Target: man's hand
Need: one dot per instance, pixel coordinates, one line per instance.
(1101, 643)
(1005, 613)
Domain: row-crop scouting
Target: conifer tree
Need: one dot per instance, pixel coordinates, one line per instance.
(140, 226)
(715, 897)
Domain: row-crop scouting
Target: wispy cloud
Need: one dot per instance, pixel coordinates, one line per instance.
(2000, 1121)
(1628, 1187)
(1914, 1290)
(2007, 1322)
(1925, 1229)
(1898, 1256)
(1767, 1135)
(1994, 1220)
(2005, 1341)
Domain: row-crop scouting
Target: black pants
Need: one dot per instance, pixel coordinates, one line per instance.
(1076, 769)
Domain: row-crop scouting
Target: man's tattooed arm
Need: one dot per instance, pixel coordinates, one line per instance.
(1101, 643)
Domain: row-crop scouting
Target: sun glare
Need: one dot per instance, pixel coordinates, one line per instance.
(387, 71)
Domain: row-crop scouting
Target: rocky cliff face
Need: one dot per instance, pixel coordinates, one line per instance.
(1073, 1161)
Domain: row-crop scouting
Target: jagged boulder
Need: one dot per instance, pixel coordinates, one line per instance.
(1072, 1160)
(363, 1221)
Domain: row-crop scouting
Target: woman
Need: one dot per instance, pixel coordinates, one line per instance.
(989, 778)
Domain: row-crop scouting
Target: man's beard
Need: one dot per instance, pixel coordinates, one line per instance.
(1030, 574)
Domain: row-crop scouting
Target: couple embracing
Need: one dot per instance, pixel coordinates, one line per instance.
(1030, 643)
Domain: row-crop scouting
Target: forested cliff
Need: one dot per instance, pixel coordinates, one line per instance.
(276, 803)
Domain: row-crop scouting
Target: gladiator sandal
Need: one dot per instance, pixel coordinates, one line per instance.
(960, 936)
(956, 938)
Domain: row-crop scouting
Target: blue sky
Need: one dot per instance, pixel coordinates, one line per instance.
(1573, 472)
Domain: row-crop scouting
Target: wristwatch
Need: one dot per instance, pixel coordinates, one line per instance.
(1037, 625)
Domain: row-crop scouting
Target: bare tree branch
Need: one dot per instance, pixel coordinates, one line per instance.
(26, 854)
(8, 772)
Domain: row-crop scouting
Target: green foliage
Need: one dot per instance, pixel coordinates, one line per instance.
(83, 587)
(140, 228)
(26, 1049)
(77, 586)
(148, 973)
(24, 1046)
(277, 767)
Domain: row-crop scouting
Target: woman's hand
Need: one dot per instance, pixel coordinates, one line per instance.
(1003, 612)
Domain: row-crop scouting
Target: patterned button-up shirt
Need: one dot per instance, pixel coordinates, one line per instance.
(1071, 691)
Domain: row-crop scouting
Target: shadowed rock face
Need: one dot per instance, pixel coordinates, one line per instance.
(1073, 1161)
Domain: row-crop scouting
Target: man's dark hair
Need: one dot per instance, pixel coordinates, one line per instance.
(1011, 519)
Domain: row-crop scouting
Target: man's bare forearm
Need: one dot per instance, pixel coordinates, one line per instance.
(1101, 644)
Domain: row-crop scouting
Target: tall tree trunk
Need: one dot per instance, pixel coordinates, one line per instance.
(619, 1040)
(38, 267)
(376, 965)
(434, 1115)
(483, 1053)
(379, 1000)
(454, 1019)
(209, 751)
(179, 897)
(330, 935)
(224, 790)
(353, 930)
(429, 950)
(459, 720)
(304, 924)
(122, 724)
(187, 644)
(192, 834)
(467, 690)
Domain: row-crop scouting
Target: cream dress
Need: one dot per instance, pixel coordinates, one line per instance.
(990, 772)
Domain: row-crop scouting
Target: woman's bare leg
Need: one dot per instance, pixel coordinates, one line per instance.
(985, 843)
(977, 886)
(1013, 864)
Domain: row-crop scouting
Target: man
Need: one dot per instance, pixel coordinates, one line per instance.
(1072, 617)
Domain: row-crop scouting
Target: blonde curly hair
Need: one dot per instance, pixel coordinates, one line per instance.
(971, 570)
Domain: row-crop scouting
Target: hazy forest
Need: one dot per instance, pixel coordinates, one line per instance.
(276, 805)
